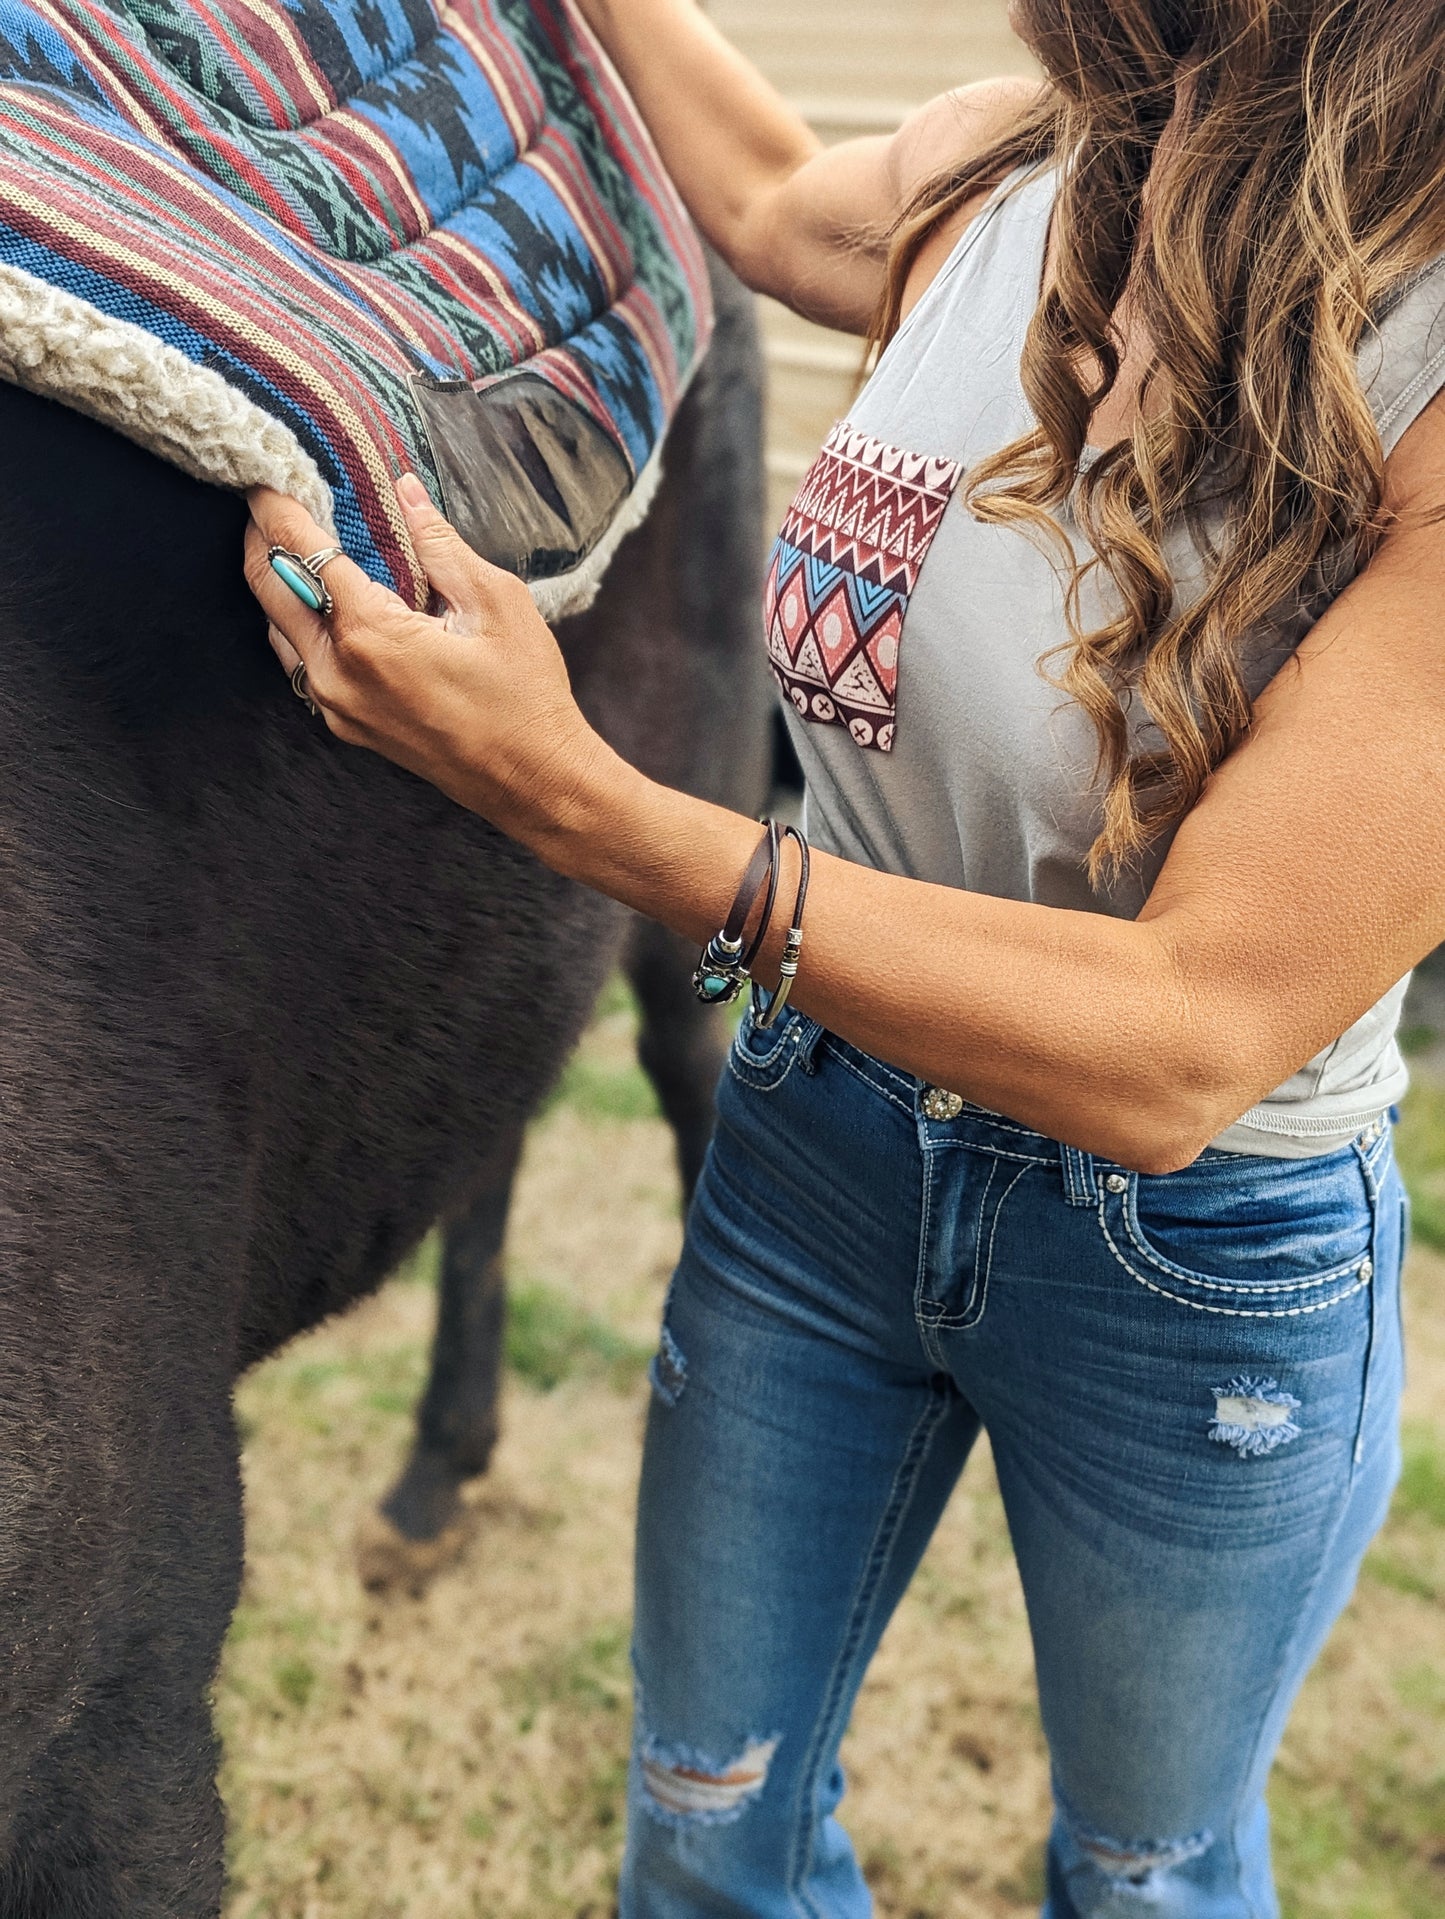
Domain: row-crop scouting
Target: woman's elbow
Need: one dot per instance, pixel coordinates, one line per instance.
(1164, 1152)
(1178, 1112)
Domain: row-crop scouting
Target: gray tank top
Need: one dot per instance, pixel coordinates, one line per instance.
(907, 637)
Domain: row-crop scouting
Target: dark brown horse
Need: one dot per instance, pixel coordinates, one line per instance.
(268, 1009)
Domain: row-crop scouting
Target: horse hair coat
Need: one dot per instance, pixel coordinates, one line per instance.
(267, 1007)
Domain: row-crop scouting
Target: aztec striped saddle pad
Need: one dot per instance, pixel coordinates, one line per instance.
(312, 243)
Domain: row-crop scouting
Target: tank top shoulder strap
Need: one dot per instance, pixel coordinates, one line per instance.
(1402, 356)
(1002, 247)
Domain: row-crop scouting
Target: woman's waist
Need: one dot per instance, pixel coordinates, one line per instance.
(799, 1044)
(1347, 1087)
(849, 1164)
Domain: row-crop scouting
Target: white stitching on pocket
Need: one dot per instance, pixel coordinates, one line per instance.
(1362, 1280)
(1248, 1289)
(765, 1072)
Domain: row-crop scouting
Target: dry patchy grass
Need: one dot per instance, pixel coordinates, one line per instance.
(462, 1756)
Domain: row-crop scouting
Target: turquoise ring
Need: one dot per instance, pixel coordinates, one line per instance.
(303, 575)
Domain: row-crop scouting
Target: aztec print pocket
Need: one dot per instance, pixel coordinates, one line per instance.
(841, 572)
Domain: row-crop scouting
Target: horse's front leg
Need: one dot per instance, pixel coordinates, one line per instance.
(681, 1043)
(418, 1527)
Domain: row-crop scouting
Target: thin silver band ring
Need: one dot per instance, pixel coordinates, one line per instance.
(301, 688)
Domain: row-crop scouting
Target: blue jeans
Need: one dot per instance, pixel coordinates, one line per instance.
(1190, 1384)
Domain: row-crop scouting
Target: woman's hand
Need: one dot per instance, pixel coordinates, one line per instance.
(477, 700)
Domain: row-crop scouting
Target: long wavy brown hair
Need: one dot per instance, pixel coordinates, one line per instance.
(1302, 180)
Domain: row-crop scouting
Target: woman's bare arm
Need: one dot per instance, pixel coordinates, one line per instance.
(800, 221)
(1309, 878)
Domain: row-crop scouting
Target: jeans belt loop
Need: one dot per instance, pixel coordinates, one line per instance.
(1080, 1186)
(809, 1037)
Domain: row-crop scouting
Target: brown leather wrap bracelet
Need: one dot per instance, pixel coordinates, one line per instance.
(767, 1006)
(722, 967)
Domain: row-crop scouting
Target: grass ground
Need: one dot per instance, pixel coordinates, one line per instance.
(462, 1756)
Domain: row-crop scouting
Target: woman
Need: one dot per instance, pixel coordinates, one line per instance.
(1109, 626)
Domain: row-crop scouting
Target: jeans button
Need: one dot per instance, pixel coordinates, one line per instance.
(1116, 1183)
(941, 1104)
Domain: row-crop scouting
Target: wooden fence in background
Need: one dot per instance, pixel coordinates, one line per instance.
(854, 67)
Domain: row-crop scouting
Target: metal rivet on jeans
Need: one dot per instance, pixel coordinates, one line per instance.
(938, 1103)
(1367, 1269)
(1117, 1183)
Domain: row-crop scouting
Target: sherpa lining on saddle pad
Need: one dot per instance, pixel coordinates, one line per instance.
(312, 243)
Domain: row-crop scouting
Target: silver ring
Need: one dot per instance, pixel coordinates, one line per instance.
(302, 578)
(302, 690)
(315, 561)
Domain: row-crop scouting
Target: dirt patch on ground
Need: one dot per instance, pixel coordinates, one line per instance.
(464, 1754)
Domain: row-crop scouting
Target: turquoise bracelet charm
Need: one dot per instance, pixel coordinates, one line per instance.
(718, 978)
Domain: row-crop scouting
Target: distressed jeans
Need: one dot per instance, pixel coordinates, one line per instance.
(1190, 1384)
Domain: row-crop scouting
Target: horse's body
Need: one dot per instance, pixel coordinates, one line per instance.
(268, 1009)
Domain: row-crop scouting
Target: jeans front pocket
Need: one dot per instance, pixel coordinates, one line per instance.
(1249, 1236)
(762, 1057)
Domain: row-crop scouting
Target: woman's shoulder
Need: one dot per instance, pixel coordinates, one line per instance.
(953, 128)
(947, 133)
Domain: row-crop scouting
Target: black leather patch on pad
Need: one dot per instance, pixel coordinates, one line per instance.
(529, 480)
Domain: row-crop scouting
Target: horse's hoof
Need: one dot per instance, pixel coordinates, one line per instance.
(390, 1562)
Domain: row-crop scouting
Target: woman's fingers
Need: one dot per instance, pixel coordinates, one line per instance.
(302, 630)
(454, 571)
(331, 649)
(387, 676)
(277, 520)
(457, 574)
